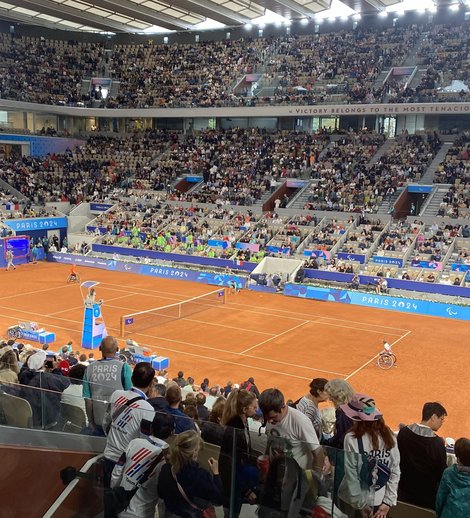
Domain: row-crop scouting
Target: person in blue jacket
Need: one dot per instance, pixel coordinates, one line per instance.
(453, 495)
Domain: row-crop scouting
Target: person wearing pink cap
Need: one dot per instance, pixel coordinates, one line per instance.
(374, 493)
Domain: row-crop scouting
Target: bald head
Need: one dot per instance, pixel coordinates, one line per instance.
(108, 347)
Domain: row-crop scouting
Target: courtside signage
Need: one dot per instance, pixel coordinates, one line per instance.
(404, 305)
(36, 223)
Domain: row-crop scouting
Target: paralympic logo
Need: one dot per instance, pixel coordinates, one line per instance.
(450, 312)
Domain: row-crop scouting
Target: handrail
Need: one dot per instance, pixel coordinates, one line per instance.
(66, 492)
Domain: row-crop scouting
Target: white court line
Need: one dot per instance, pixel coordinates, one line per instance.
(79, 307)
(36, 291)
(318, 321)
(79, 331)
(372, 359)
(275, 336)
(240, 354)
(255, 367)
(267, 313)
(310, 315)
(208, 323)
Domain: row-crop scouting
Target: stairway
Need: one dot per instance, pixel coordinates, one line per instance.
(384, 207)
(301, 198)
(418, 76)
(85, 89)
(428, 176)
(411, 59)
(432, 207)
(383, 149)
(379, 82)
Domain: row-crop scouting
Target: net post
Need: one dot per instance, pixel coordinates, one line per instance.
(122, 326)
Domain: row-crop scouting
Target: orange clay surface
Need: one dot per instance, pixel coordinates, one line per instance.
(280, 341)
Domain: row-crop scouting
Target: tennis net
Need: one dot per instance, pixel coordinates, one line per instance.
(141, 320)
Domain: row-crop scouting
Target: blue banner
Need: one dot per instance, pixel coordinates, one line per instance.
(146, 269)
(321, 254)
(419, 188)
(193, 179)
(434, 265)
(459, 267)
(36, 224)
(100, 207)
(380, 259)
(352, 257)
(179, 258)
(416, 306)
(278, 250)
(218, 243)
(296, 184)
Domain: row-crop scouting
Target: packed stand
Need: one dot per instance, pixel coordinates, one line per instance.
(46, 71)
(89, 172)
(456, 170)
(342, 179)
(355, 58)
(171, 76)
(237, 165)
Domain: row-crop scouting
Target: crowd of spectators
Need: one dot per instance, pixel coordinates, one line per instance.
(238, 165)
(244, 421)
(205, 74)
(355, 58)
(89, 172)
(46, 71)
(346, 180)
(455, 170)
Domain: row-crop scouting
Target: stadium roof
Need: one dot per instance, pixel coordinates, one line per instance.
(158, 16)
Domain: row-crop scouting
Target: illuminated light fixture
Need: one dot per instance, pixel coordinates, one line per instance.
(344, 18)
(454, 7)
(277, 24)
(304, 21)
(288, 22)
(261, 25)
(332, 18)
(357, 16)
(399, 13)
(248, 26)
(383, 14)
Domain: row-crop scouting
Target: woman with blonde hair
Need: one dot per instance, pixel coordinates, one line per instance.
(241, 404)
(9, 367)
(185, 487)
(340, 392)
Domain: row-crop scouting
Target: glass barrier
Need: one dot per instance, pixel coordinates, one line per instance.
(264, 474)
(261, 474)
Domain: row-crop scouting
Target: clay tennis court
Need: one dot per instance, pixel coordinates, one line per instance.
(280, 341)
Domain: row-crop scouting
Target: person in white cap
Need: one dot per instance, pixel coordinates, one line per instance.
(45, 402)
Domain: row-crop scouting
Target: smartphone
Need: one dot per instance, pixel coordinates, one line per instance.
(49, 364)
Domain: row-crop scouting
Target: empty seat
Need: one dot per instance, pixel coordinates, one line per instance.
(16, 411)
